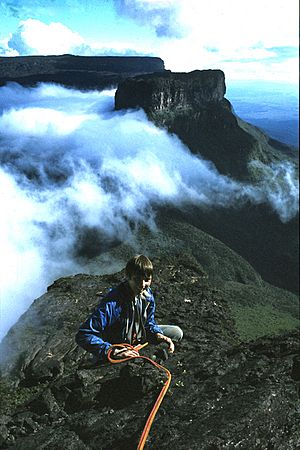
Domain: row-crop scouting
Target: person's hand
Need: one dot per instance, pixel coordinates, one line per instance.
(120, 353)
(145, 295)
(162, 337)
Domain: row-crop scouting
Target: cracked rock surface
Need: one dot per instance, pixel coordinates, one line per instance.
(224, 394)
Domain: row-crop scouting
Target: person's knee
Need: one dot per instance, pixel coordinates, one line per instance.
(174, 332)
(178, 334)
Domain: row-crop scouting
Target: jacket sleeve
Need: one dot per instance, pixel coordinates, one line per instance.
(89, 336)
(151, 325)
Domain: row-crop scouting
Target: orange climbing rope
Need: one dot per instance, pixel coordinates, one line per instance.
(162, 393)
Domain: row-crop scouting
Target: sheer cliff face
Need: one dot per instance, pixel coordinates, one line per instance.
(192, 105)
(170, 92)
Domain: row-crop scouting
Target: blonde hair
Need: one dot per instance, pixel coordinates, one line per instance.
(139, 265)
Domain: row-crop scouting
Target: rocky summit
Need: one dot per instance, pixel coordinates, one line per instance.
(226, 276)
(224, 394)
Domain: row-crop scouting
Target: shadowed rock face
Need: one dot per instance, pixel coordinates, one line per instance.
(223, 395)
(83, 72)
(172, 91)
(192, 105)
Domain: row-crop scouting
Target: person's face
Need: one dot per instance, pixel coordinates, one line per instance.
(139, 282)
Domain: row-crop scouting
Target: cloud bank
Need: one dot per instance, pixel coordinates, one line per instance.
(35, 37)
(70, 165)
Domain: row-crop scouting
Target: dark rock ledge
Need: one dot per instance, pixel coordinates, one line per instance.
(82, 72)
(224, 394)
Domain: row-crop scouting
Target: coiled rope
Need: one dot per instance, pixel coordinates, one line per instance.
(162, 393)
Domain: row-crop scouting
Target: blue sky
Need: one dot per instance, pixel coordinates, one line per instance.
(255, 40)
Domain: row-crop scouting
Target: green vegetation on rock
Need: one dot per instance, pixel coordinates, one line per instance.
(261, 320)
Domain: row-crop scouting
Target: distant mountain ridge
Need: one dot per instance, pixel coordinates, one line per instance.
(82, 72)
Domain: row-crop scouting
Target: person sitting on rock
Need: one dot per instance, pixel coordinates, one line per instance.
(126, 315)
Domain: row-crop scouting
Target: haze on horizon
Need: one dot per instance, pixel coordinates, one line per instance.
(255, 40)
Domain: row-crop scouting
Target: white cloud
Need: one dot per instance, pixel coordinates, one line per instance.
(38, 38)
(34, 37)
(161, 15)
(5, 50)
(38, 121)
(236, 24)
(286, 71)
(238, 64)
(219, 34)
(229, 24)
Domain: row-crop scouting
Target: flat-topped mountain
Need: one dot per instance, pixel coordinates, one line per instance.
(170, 91)
(192, 105)
(84, 72)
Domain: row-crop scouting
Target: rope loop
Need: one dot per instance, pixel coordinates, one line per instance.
(162, 393)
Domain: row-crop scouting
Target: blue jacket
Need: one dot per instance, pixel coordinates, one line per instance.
(106, 325)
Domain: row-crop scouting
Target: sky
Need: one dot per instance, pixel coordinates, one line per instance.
(255, 40)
